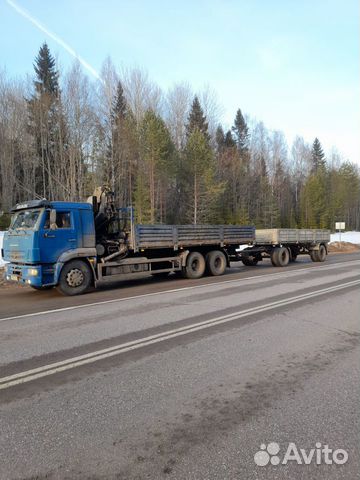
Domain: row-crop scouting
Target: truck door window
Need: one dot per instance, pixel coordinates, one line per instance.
(63, 220)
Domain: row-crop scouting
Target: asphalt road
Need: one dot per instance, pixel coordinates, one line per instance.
(184, 379)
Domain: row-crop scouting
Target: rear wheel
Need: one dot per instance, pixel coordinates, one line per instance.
(318, 255)
(313, 255)
(280, 257)
(195, 265)
(216, 262)
(75, 278)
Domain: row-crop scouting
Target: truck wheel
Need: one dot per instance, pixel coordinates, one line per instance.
(313, 255)
(249, 261)
(280, 257)
(321, 254)
(318, 255)
(75, 278)
(216, 263)
(195, 265)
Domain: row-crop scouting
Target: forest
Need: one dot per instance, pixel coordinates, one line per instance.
(164, 153)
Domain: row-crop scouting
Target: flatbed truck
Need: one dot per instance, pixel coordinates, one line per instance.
(76, 246)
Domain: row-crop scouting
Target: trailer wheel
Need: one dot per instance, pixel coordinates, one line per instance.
(75, 278)
(322, 253)
(318, 255)
(313, 255)
(216, 262)
(250, 261)
(195, 265)
(280, 257)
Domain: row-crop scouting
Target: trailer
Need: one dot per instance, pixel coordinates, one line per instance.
(283, 245)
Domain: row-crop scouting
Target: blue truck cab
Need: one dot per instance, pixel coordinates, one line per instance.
(43, 237)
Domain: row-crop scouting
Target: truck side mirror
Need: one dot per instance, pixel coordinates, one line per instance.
(52, 220)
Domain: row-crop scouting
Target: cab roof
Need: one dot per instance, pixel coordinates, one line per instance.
(48, 204)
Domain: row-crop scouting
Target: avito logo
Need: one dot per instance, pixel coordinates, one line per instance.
(321, 454)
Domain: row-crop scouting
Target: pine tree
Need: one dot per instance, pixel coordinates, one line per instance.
(318, 156)
(197, 120)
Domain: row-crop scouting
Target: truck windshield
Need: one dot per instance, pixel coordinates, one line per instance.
(24, 220)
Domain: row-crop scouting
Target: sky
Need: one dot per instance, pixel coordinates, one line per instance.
(294, 64)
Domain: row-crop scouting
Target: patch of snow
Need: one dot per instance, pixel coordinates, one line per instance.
(352, 237)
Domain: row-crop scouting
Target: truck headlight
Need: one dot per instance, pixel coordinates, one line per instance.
(33, 272)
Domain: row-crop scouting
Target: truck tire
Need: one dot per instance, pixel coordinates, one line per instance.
(322, 253)
(195, 265)
(313, 255)
(75, 278)
(318, 255)
(216, 263)
(280, 257)
(249, 261)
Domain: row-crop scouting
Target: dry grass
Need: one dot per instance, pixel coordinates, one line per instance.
(343, 247)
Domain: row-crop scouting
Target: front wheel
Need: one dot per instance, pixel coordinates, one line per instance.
(75, 278)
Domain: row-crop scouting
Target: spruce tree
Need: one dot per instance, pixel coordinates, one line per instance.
(220, 138)
(229, 141)
(119, 106)
(113, 172)
(47, 78)
(241, 132)
(197, 120)
(318, 156)
(47, 126)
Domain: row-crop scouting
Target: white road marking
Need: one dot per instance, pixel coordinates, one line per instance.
(181, 289)
(70, 363)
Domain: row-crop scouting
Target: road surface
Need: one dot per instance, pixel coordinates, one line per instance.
(184, 379)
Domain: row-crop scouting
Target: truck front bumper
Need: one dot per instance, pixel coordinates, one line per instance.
(36, 275)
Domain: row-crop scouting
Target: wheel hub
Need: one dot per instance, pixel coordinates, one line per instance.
(75, 277)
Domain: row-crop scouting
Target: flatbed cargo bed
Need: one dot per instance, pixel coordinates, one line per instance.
(182, 236)
(278, 236)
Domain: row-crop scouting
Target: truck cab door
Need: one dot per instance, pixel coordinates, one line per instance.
(57, 234)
